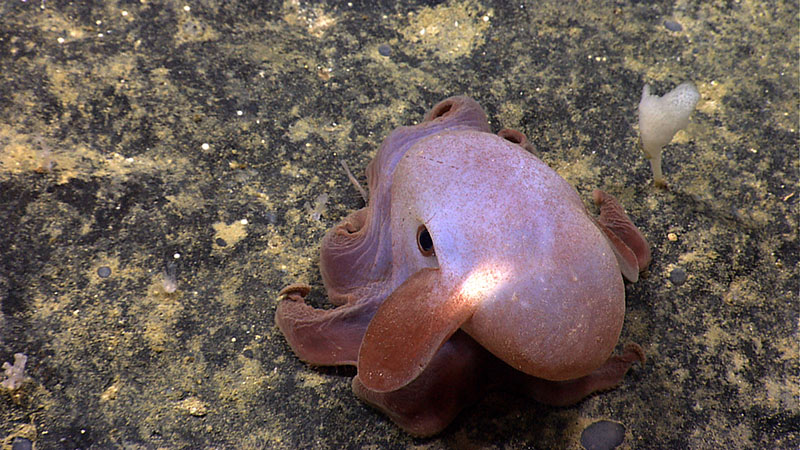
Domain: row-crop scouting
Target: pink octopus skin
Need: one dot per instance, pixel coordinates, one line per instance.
(473, 266)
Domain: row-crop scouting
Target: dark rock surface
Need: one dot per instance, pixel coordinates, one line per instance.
(186, 147)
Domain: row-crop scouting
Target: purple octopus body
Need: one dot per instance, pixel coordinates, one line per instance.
(473, 266)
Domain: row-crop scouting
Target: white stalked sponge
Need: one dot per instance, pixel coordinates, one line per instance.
(660, 118)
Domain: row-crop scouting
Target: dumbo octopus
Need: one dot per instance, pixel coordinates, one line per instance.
(474, 266)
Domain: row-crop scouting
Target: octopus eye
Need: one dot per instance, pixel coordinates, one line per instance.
(424, 241)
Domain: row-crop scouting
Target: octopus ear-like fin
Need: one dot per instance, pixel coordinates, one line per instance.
(322, 337)
(408, 329)
(628, 264)
(631, 248)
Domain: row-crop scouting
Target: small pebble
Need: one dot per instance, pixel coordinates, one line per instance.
(602, 435)
(678, 276)
(671, 25)
(248, 354)
(221, 242)
(384, 50)
(104, 272)
(21, 444)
